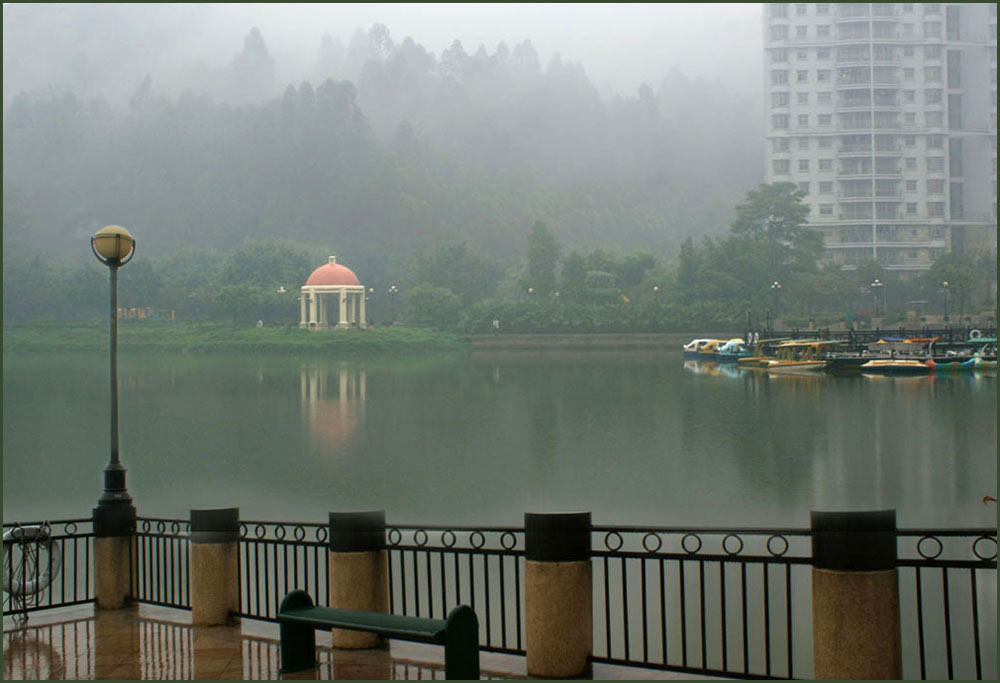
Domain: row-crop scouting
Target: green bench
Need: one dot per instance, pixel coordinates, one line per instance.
(298, 619)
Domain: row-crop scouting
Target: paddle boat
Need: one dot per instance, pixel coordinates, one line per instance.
(732, 351)
(692, 348)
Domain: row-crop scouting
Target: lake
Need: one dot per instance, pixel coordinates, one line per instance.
(636, 437)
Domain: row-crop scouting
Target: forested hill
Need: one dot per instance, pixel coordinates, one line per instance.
(385, 149)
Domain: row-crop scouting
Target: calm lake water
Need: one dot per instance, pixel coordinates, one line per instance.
(478, 438)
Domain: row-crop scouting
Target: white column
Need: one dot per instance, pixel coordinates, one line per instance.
(343, 308)
(303, 320)
(362, 318)
(313, 319)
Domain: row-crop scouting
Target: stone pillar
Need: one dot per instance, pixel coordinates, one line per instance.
(343, 309)
(358, 570)
(855, 594)
(114, 543)
(215, 569)
(313, 320)
(322, 309)
(303, 310)
(558, 607)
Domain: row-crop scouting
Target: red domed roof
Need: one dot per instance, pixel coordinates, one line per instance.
(332, 274)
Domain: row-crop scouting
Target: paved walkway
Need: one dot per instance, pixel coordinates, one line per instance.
(158, 643)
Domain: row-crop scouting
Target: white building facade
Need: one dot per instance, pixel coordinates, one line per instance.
(885, 114)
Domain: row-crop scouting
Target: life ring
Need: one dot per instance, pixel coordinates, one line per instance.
(975, 334)
(14, 582)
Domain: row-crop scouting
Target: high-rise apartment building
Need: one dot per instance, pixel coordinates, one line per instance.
(886, 115)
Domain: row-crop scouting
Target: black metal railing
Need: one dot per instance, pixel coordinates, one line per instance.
(276, 558)
(160, 571)
(433, 569)
(720, 601)
(948, 603)
(47, 564)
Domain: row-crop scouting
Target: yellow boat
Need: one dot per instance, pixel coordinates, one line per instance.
(800, 356)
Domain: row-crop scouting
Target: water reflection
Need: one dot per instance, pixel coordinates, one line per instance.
(333, 402)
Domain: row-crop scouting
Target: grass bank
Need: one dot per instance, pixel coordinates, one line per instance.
(206, 338)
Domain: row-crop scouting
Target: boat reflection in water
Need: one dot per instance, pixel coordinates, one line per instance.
(712, 368)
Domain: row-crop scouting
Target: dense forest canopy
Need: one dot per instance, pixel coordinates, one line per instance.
(390, 149)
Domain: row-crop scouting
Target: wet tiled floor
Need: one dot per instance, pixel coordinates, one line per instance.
(149, 642)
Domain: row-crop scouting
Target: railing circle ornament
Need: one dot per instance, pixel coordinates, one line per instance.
(477, 540)
(321, 534)
(975, 548)
(420, 537)
(243, 530)
(175, 528)
(738, 539)
(161, 527)
(777, 537)
(145, 526)
(299, 533)
(684, 543)
(70, 528)
(394, 536)
(259, 531)
(928, 553)
(613, 541)
(279, 532)
(646, 542)
(448, 538)
(508, 540)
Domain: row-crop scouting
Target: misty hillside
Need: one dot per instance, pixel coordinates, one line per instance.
(383, 149)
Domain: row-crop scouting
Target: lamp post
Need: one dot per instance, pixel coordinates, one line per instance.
(368, 305)
(776, 290)
(876, 286)
(392, 305)
(947, 299)
(114, 247)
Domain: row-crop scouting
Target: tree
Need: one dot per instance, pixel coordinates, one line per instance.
(775, 216)
(543, 254)
(428, 306)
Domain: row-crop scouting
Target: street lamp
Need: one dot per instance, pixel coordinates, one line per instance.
(531, 290)
(947, 299)
(368, 308)
(776, 289)
(114, 247)
(392, 304)
(876, 286)
(656, 288)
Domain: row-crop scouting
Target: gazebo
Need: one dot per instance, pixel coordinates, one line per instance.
(339, 282)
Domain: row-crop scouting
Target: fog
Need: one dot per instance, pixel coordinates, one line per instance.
(110, 48)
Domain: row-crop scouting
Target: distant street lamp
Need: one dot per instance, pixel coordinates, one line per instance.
(656, 289)
(876, 286)
(281, 290)
(114, 247)
(392, 304)
(368, 305)
(776, 290)
(531, 290)
(947, 299)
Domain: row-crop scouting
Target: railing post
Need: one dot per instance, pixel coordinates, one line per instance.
(114, 539)
(215, 569)
(358, 570)
(558, 604)
(855, 596)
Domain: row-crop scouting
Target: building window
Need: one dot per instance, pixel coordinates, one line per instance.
(932, 51)
(908, 74)
(779, 121)
(803, 165)
(935, 209)
(801, 31)
(825, 119)
(909, 119)
(909, 95)
(907, 49)
(803, 120)
(911, 163)
(823, 53)
(822, 8)
(935, 141)
(910, 140)
(935, 164)
(780, 166)
(779, 10)
(911, 209)
(823, 31)
(933, 96)
(911, 185)
(826, 164)
(908, 31)
(935, 119)
(801, 8)
(779, 77)
(779, 55)
(933, 74)
(935, 186)
(826, 209)
(908, 7)
(802, 76)
(804, 187)
(825, 143)
(802, 98)
(779, 99)
(802, 55)
(780, 145)
(824, 98)
(779, 33)
(823, 76)
(826, 187)
(803, 143)
(932, 29)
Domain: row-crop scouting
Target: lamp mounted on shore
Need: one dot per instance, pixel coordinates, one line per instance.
(114, 247)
